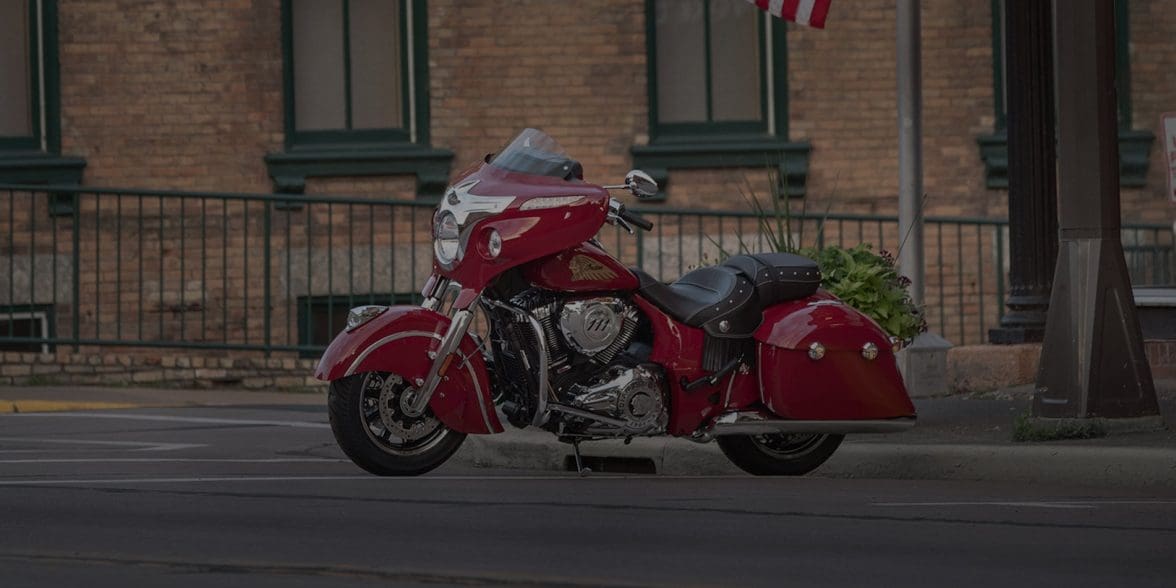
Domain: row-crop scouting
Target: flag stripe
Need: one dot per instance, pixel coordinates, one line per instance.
(804, 12)
(810, 13)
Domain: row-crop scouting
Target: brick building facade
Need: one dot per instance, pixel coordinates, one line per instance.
(201, 96)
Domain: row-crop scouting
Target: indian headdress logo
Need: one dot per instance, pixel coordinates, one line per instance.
(585, 268)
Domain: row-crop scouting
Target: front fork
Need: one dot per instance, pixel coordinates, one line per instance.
(461, 316)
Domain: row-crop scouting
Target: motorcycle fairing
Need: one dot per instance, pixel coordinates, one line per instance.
(842, 385)
(399, 340)
(529, 227)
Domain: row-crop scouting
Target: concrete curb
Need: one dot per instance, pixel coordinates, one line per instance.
(1066, 465)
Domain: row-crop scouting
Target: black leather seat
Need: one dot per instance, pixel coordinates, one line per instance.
(728, 300)
(707, 297)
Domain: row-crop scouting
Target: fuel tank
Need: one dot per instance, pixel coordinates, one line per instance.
(584, 268)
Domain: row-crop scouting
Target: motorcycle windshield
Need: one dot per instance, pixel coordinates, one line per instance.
(535, 152)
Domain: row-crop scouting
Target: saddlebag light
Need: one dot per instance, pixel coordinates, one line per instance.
(870, 351)
(816, 351)
(360, 315)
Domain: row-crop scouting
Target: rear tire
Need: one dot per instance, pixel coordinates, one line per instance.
(779, 454)
(373, 430)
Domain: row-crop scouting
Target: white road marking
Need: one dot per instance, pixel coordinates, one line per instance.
(190, 480)
(205, 479)
(172, 419)
(1063, 504)
(130, 445)
(177, 460)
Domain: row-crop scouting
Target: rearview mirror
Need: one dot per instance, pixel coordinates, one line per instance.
(640, 184)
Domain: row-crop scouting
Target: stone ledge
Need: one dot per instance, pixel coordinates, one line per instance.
(983, 368)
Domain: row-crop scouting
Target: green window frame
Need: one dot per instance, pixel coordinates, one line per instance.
(350, 148)
(322, 317)
(1134, 145)
(27, 321)
(715, 143)
(34, 157)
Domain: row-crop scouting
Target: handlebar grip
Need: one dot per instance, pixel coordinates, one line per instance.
(636, 220)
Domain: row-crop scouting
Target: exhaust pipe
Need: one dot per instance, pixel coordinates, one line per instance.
(754, 423)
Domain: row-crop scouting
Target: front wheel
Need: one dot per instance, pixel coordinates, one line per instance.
(779, 454)
(373, 429)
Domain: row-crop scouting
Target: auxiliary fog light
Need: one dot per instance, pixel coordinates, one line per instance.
(494, 244)
(360, 315)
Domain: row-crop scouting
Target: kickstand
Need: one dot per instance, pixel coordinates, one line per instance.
(583, 471)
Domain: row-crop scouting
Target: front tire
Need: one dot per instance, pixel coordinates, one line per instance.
(779, 454)
(372, 428)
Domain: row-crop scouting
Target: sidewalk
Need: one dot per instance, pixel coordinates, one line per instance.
(957, 438)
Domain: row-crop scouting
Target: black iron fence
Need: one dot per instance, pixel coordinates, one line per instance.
(96, 267)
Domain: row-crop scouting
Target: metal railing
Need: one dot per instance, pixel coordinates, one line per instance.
(276, 273)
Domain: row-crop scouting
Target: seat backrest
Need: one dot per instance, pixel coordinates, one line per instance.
(778, 277)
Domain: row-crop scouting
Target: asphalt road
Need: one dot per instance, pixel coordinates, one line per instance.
(261, 497)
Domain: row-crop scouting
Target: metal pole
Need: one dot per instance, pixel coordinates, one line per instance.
(910, 147)
(1092, 359)
(1033, 225)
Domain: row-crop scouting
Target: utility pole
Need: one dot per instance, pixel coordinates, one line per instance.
(924, 363)
(1092, 362)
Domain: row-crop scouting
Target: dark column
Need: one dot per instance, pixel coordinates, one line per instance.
(1033, 225)
(1092, 362)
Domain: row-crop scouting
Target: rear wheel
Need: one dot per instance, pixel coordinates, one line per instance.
(779, 454)
(375, 431)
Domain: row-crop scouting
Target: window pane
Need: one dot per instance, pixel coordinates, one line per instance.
(375, 65)
(15, 107)
(735, 61)
(318, 65)
(681, 61)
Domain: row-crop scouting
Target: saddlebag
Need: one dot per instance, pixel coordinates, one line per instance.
(818, 358)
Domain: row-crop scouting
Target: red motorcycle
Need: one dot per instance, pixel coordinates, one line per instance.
(750, 353)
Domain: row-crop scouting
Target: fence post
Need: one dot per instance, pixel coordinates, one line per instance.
(77, 271)
(266, 234)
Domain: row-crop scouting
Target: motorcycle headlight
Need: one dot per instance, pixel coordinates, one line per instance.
(446, 238)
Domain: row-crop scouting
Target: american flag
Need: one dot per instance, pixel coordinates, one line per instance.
(805, 12)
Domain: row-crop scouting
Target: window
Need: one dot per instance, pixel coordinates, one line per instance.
(1134, 145)
(26, 322)
(320, 318)
(30, 138)
(718, 91)
(356, 93)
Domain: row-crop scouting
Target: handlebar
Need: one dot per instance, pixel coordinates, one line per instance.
(627, 219)
(635, 219)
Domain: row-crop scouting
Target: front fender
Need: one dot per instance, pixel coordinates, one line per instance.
(399, 341)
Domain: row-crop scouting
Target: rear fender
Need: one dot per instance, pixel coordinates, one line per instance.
(400, 340)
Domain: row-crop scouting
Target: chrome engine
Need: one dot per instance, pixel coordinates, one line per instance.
(597, 389)
(631, 395)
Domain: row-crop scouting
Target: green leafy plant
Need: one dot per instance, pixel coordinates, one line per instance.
(870, 282)
(863, 279)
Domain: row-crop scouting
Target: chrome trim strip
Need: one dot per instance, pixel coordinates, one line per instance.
(465, 359)
(589, 415)
(449, 343)
(385, 341)
(756, 424)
